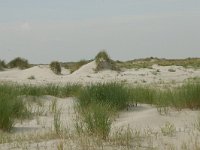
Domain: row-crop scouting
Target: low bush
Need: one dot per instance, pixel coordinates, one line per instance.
(2, 64)
(103, 61)
(55, 67)
(18, 62)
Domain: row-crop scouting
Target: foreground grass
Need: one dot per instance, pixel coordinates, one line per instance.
(97, 106)
(97, 103)
(12, 105)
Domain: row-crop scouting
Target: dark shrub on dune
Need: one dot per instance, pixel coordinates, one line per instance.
(19, 62)
(103, 61)
(55, 67)
(2, 64)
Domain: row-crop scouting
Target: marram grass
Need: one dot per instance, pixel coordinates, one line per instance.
(98, 96)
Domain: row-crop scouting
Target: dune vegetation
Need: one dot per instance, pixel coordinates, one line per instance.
(19, 62)
(103, 61)
(97, 105)
(2, 65)
(94, 98)
(73, 66)
(148, 62)
(55, 67)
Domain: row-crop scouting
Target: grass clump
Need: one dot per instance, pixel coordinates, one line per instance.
(115, 94)
(189, 94)
(98, 103)
(2, 65)
(142, 94)
(55, 67)
(19, 62)
(169, 129)
(97, 120)
(103, 61)
(11, 107)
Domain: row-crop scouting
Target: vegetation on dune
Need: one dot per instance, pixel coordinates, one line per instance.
(73, 66)
(96, 119)
(115, 94)
(148, 62)
(142, 94)
(97, 103)
(11, 107)
(2, 65)
(55, 67)
(103, 61)
(19, 62)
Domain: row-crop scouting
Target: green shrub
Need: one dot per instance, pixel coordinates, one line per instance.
(103, 61)
(55, 67)
(20, 63)
(2, 64)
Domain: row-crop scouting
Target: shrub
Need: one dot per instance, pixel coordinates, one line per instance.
(20, 63)
(103, 61)
(55, 67)
(2, 64)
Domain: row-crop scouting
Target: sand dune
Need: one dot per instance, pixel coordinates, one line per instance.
(86, 69)
(144, 117)
(86, 74)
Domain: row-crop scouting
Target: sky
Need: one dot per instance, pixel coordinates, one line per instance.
(70, 30)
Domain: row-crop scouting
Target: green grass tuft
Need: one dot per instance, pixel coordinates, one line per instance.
(115, 94)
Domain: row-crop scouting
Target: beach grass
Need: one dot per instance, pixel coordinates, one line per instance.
(148, 62)
(95, 97)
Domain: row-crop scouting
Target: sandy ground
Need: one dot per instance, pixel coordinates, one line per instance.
(144, 119)
(86, 74)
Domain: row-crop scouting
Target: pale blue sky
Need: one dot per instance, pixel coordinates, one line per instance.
(70, 30)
